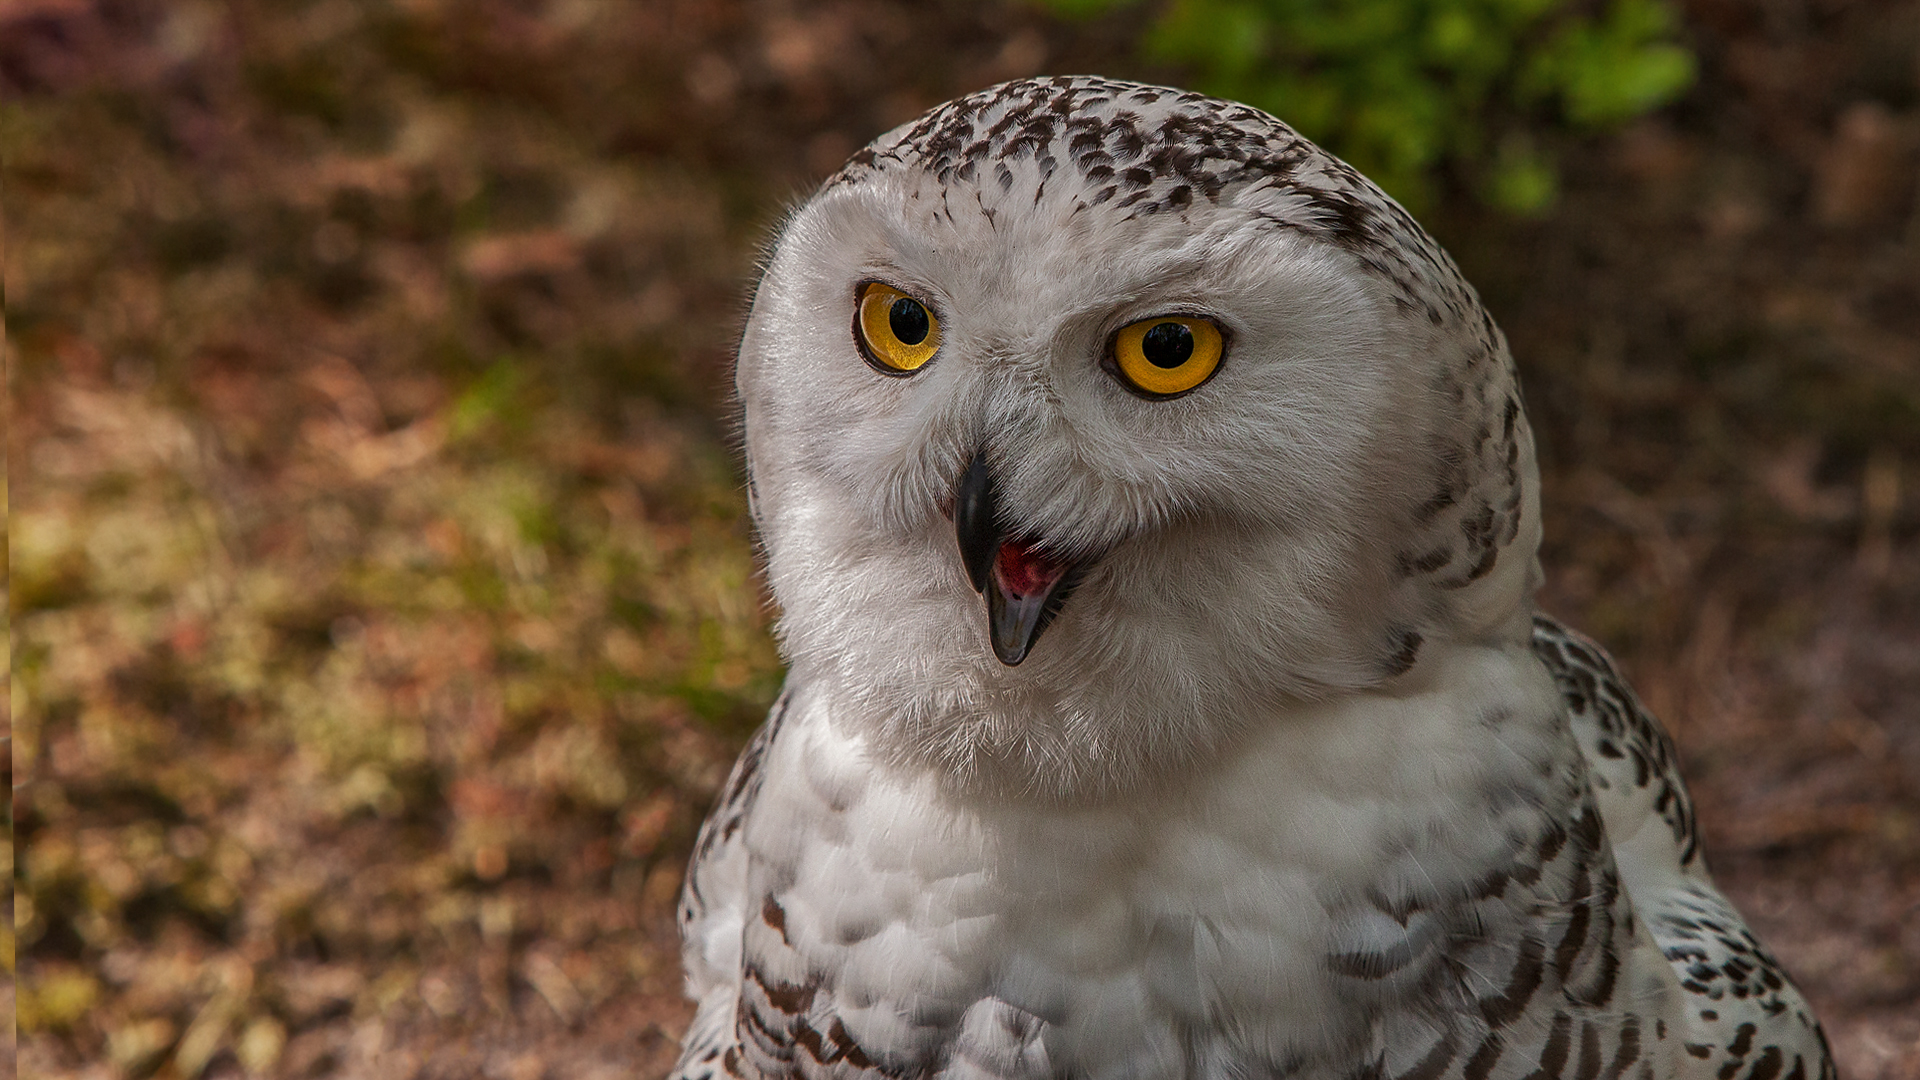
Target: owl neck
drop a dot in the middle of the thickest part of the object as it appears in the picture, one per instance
(1446, 725)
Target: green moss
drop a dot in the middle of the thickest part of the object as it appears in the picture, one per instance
(1405, 89)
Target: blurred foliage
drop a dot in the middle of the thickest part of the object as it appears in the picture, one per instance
(1401, 88)
(485, 643)
(382, 596)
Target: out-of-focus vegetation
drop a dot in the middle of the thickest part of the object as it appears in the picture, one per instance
(319, 718)
(1401, 88)
(382, 597)
(381, 574)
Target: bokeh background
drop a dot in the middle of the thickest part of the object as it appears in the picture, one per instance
(383, 610)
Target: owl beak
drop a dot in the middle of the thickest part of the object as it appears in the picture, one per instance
(1024, 588)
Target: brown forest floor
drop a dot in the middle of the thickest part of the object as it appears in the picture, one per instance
(382, 603)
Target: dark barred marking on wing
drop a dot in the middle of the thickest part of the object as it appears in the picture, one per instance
(1625, 745)
(777, 1021)
(1753, 1023)
(1522, 981)
(708, 1052)
(711, 1047)
(736, 799)
(1553, 1058)
(1721, 964)
(1590, 1052)
(1530, 956)
(1485, 1058)
(1435, 1063)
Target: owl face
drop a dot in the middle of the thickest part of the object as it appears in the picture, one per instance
(1088, 426)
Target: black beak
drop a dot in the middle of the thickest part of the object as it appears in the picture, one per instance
(973, 520)
(1017, 610)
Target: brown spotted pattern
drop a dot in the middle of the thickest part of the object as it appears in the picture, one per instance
(736, 798)
(1513, 973)
(1130, 150)
(1519, 972)
(709, 1049)
(1747, 1020)
(1629, 748)
(1125, 147)
(1523, 968)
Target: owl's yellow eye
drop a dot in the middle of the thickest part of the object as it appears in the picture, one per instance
(897, 333)
(1167, 355)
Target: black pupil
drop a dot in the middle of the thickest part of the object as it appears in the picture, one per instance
(1167, 345)
(908, 320)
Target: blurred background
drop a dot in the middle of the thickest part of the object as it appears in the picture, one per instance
(383, 609)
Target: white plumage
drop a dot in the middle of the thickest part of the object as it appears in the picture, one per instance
(1153, 515)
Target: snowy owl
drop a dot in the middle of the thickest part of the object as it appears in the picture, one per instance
(1153, 516)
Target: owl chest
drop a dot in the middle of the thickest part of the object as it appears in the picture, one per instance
(945, 943)
(887, 924)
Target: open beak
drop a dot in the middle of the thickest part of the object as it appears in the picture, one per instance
(1024, 587)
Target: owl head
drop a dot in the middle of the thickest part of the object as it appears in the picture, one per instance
(1091, 426)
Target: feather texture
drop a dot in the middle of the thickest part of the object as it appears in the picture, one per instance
(1297, 783)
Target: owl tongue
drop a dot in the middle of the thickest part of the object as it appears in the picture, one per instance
(1023, 572)
(1024, 588)
(1024, 593)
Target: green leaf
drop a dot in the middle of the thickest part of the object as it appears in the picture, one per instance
(1523, 181)
(1224, 37)
(1609, 89)
(491, 396)
(1084, 9)
(1399, 87)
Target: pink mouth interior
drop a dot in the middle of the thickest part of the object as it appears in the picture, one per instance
(1025, 572)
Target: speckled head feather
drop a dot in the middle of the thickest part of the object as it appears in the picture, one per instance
(1152, 149)
(1360, 472)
